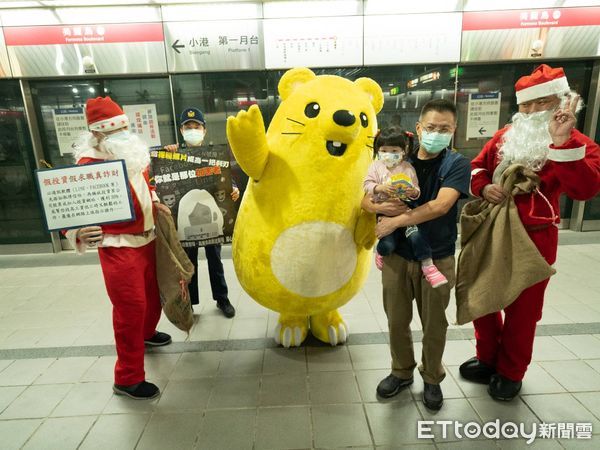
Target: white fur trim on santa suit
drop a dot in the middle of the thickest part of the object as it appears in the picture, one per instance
(92, 153)
(473, 173)
(79, 246)
(127, 240)
(566, 154)
(143, 194)
(552, 87)
(114, 123)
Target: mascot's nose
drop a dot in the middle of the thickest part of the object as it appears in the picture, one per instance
(344, 117)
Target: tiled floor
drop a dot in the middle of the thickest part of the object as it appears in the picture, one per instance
(227, 385)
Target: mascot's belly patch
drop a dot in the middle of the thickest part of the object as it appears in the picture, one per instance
(324, 258)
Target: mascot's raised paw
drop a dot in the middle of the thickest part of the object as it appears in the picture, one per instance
(246, 126)
(329, 327)
(291, 330)
(247, 137)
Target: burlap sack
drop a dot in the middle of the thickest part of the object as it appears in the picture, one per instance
(174, 271)
(498, 260)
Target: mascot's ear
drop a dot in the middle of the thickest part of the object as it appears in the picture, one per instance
(373, 90)
(292, 79)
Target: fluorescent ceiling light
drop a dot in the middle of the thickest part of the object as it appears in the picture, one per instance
(486, 5)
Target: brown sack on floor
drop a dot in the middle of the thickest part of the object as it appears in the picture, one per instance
(174, 271)
(498, 260)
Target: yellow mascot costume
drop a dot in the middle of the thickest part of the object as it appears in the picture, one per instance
(302, 244)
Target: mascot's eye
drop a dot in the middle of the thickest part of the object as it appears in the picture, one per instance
(364, 120)
(312, 110)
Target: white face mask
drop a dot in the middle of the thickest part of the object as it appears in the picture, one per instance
(120, 136)
(193, 136)
(390, 159)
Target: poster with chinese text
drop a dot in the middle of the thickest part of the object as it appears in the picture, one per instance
(483, 115)
(195, 183)
(90, 194)
(143, 121)
(69, 124)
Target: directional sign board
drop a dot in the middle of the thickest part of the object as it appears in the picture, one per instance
(214, 45)
(531, 33)
(483, 115)
(60, 50)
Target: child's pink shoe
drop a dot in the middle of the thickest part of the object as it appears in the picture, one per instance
(378, 261)
(434, 276)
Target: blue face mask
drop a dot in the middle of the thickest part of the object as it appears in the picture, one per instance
(119, 137)
(435, 142)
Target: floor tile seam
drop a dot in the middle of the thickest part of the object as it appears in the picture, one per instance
(33, 432)
(25, 390)
(596, 432)
(369, 427)
(265, 343)
(137, 443)
(139, 438)
(597, 416)
(567, 390)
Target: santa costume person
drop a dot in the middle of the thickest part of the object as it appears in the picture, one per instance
(126, 249)
(542, 137)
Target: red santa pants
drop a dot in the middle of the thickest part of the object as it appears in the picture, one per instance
(508, 345)
(130, 278)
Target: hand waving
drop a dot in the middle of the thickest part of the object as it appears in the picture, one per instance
(563, 121)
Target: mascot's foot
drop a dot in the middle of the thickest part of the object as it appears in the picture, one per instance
(329, 327)
(291, 330)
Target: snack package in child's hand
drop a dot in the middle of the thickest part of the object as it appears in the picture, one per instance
(401, 182)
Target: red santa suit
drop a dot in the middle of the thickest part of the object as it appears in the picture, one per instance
(573, 169)
(127, 256)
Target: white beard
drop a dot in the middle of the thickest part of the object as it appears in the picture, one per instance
(133, 150)
(526, 142)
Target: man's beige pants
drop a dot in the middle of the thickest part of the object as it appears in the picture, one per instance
(403, 282)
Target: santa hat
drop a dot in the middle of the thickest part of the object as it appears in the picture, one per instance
(543, 81)
(104, 115)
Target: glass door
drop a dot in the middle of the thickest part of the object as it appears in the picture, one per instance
(21, 220)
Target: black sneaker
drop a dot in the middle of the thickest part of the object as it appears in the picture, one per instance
(432, 396)
(501, 388)
(158, 339)
(226, 307)
(140, 391)
(391, 385)
(476, 371)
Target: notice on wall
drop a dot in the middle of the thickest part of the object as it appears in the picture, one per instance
(69, 124)
(483, 115)
(313, 42)
(195, 183)
(90, 194)
(143, 121)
